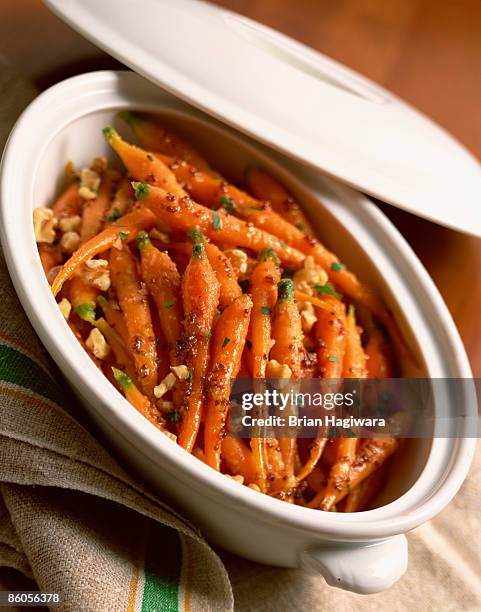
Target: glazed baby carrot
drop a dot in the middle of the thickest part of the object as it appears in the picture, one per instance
(287, 330)
(155, 137)
(162, 278)
(238, 458)
(139, 401)
(68, 204)
(121, 232)
(363, 494)
(263, 288)
(229, 287)
(135, 308)
(182, 214)
(142, 165)
(354, 365)
(330, 330)
(370, 456)
(228, 341)
(114, 318)
(265, 187)
(94, 211)
(200, 296)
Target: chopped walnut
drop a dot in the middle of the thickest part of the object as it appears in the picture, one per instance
(97, 273)
(99, 165)
(309, 275)
(89, 184)
(65, 308)
(238, 259)
(167, 384)
(70, 224)
(254, 487)
(165, 406)
(97, 344)
(308, 316)
(44, 224)
(277, 370)
(69, 242)
(181, 371)
(237, 478)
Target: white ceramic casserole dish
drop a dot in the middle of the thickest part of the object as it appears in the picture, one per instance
(364, 552)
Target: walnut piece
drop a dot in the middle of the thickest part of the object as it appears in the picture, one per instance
(69, 242)
(97, 344)
(65, 308)
(44, 224)
(309, 275)
(70, 224)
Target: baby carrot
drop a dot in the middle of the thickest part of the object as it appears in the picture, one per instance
(265, 187)
(330, 330)
(155, 137)
(122, 202)
(200, 296)
(287, 329)
(139, 401)
(227, 345)
(135, 308)
(69, 203)
(160, 275)
(229, 287)
(124, 230)
(94, 211)
(181, 214)
(363, 494)
(339, 475)
(263, 288)
(114, 318)
(142, 165)
(115, 342)
(371, 455)
(354, 365)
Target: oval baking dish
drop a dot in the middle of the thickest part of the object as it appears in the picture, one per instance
(364, 552)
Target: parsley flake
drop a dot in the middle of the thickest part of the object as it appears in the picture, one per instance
(116, 214)
(150, 157)
(122, 236)
(265, 310)
(328, 289)
(216, 221)
(173, 417)
(227, 203)
(169, 304)
(337, 266)
(226, 341)
(333, 358)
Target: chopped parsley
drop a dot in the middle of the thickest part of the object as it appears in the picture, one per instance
(300, 226)
(122, 236)
(333, 358)
(141, 190)
(283, 244)
(328, 289)
(265, 310)
(217, 314)
(173, 417)
(350, 433)
(226, 341)
(227, 203)
(337, 266)
(216, 221)
(116, 214)
(150, 157)
(169, 304)
(190, 375)
(209, 333)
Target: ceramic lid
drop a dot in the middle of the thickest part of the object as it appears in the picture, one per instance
(291, 98)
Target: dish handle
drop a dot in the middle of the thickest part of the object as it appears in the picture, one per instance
(360, 568)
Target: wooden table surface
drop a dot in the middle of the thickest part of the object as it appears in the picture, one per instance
(426, 51)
